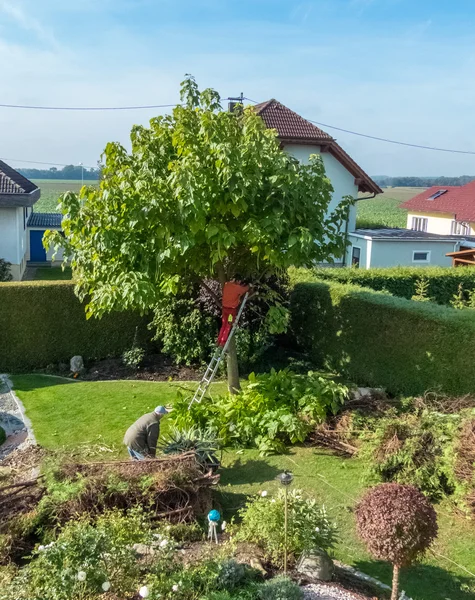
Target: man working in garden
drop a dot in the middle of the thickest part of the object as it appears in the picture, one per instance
(141, 438)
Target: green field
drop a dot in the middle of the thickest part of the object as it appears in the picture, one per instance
(51, 190)
(384, 211)
(68, 413)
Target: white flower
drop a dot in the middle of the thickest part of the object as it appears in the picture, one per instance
(143, 591)
(106, 586)
(273, 500)
(163, 543)
(168, 527)
(264, 494)
(41, 548)
(223, 525)
(317, 529)
(82, 576)
(175, 588)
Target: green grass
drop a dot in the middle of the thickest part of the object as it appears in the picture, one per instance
(53, 274)
(384, 211)
(66, 413)
(51, 190)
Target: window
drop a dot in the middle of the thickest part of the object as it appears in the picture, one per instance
(25, 215)
(419, 223)
(437, 194)
(421, 257)
(355, 256)
(460, 228)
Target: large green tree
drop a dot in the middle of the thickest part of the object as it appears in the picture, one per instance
(203, 194)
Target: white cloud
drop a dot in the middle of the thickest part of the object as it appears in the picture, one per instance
(26, 21)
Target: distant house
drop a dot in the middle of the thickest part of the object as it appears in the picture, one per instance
(448, 210)
(21, 229)
(301, 138)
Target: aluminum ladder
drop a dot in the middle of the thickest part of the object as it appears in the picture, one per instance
(218, 356)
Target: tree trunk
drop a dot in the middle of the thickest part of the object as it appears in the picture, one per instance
(232, 366)
(394, 593)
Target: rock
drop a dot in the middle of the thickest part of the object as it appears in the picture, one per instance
(77, 364)
(362, 392)
(256, 564)
(143, 549)
(316, 564)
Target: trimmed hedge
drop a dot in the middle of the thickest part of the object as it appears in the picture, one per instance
(379, 340)
(43, 322)
(399, 281)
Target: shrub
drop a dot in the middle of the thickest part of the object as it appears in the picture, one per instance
(263, 524)
(203, 443)
(45, 323)
(5, 274)
(82, 559)
(443, 282)
(398, 524)
(3, 436)
(273, 410)
(280, 588)
(379, 340)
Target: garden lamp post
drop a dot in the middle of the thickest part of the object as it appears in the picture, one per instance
(285, 479)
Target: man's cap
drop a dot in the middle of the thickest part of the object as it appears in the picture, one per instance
(161, 410)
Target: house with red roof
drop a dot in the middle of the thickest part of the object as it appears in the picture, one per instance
(448, 210)
(301, 139)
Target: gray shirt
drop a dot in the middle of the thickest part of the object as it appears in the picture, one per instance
(142, 436)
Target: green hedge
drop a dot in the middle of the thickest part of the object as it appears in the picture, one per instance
(379, 340)
(43, 322)
(399, 281)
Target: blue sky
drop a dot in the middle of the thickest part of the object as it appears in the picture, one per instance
(401, 69)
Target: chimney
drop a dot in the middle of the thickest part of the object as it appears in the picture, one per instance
(233, 102)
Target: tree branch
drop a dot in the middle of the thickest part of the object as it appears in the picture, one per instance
(216, 299)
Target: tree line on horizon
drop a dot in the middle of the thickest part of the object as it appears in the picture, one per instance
(386, 181)
(67, 172)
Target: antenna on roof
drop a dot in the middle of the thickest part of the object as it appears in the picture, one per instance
(233, 102)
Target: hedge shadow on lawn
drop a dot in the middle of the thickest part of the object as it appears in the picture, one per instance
(248, 471)
(413, 580)
(31, 383)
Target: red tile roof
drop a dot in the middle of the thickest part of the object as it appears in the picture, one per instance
(457, 200)
(292, 128)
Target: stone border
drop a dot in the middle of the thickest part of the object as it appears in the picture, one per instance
(368, 579)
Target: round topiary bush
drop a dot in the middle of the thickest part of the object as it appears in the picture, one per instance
(398, 524)
(3, 436)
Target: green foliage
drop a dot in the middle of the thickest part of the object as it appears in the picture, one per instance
(443, 282)
(208, 194)
(273, 410)
(3, 435)
(280, 588)
(233, 575)
(263, 524)
(133, 358)
(82, 559)
(421, 291)
(203, 443)
(463, 299)
(45, 323)
(413, 449)
(5, 274)
(379, 340)
(183, 330)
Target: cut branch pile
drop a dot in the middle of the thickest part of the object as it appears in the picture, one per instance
(174, 488)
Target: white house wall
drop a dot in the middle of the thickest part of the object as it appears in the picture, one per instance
(343, 181)
(365, 250)
(388, 253)
(13, 240)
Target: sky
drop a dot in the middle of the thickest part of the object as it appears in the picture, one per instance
(399, 69)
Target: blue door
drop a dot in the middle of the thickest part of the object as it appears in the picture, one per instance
(37, 252)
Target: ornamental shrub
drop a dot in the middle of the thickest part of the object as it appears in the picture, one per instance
(397, 524)
(273, 410)
(5, 274)
(280, 588)
(263, 524)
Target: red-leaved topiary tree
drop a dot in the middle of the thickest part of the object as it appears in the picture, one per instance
(398, 524)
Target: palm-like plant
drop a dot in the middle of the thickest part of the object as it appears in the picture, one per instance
(204, 442)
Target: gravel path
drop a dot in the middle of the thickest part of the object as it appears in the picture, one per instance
(324, 591)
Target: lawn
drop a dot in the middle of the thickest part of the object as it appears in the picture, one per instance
(384, 211)
(71, 413)
(53, 274)
(51, 190)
